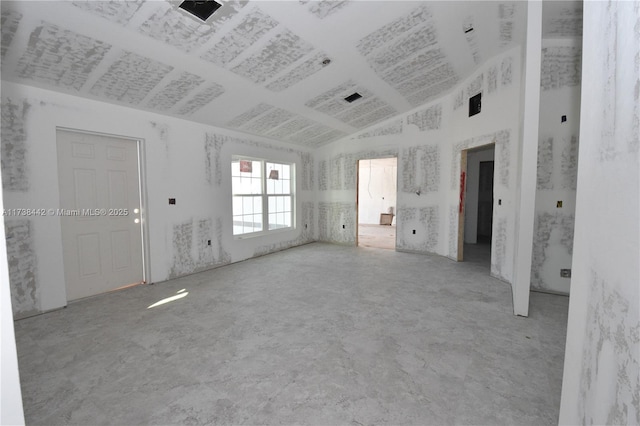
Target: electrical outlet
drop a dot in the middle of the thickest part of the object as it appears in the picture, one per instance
(559, 204)
(343, 227)
(565, 273)
(172, 200)
(414, 232)
(208, 242)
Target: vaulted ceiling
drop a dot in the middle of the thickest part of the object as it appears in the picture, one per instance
(259, 67)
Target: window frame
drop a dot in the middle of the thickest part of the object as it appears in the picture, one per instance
(264, 197)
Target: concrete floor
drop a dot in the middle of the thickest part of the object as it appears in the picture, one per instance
(319, 334)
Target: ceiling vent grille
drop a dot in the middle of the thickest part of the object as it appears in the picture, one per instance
(353, 97)
(201, 9)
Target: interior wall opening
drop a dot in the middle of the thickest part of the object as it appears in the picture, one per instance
(376, 201)
(479, 204)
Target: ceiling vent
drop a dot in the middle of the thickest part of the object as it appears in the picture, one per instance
(353, 97)
(201, 9)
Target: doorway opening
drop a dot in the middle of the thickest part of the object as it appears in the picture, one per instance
(477, 217)
(376, 203)
(101, 212)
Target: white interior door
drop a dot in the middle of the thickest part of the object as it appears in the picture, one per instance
(99, 208)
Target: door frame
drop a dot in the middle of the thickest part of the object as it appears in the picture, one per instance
(142, 190)
(357, 225)
(463, 195)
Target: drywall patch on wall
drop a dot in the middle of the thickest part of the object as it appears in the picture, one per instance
(472, 40)
(569, 164)
(453, 231)
(503, 151)
(393, 128)
(567, 23)
(545, 163)
(130, 78)
(506, 77)
(191, 249)
(23, 266)
(280, 51)
(182, 242)
(9, 22)
(425, 221)
(550, 231)
(610, 356)
(427, 119)
(475, 86)
(13, 134)
(201, 98)
(213, 150)
(306, 164)
(60, 57)
(175, 91)
(253, 26)
(420, 169)
(506, 12)
(561, 67)
(499, 254)
(458, 101)
(119, 12)
(492, 79)
(323, 176)
(331, 219)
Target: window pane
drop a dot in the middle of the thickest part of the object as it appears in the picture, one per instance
(235, 168)
(256, 186)
(237, 206)
(287, 220)
(280, 204)
(272, 221)
(247, 205)
(257, 222)
(256, 167)
(286, 172)
(257, 205)
(286, 203)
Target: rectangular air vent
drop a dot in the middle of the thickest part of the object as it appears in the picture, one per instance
(201, 9)
(475, 103)
(353, 97)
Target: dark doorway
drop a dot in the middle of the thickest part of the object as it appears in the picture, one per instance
(485, 202)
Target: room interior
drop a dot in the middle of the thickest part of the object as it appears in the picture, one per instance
(291, 96)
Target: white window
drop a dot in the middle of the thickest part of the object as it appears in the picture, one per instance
(262, 195)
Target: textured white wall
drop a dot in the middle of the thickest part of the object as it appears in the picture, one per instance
(557, 163)
(184, 160)
(602, 357)
(428, 141)
(11, 412)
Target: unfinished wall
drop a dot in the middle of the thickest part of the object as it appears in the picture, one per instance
(183, 160)
(498, 123)
(601, 380)
(427, 142)
(557, 163)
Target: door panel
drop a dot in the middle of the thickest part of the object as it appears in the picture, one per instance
(98, 180)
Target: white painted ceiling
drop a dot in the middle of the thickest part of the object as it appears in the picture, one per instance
(256, 66)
